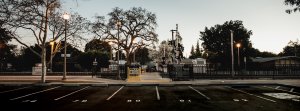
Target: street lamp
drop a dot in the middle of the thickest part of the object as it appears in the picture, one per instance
(66, 16)
(51, 53)
(118, 56)
(238, 45)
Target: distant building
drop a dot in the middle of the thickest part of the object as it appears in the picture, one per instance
(275, 61)
(197, 61)
(186, 61)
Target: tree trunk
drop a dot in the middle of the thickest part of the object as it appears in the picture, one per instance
(44, 63)
(44, 68)
(128, 61)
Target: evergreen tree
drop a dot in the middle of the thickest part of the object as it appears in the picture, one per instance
(198, 52)
(216, 41)
(192, 55)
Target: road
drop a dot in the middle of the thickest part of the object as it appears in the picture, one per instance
(150, 98)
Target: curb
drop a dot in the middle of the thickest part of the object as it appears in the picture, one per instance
(100, 85)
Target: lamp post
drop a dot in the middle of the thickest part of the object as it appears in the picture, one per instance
(1, 60)
(134, 42)
(110, 44)
(51, 53)
(164, 50)
(66, 16)
(118, 56)
(232, 55)
(134, 56)
(238, 45)
(94, 70)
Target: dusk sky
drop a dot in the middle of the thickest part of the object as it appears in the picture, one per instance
(272, 27)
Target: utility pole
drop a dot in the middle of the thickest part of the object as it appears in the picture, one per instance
(232, 55)
(118, 59)
(295, 50)
(173, 42)
(66, 16)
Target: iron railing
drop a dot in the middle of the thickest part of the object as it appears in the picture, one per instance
(215, 71)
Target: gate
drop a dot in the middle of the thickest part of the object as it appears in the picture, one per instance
(180, 71)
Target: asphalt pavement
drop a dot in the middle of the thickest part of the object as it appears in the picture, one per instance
(149, 98)
(152, 92)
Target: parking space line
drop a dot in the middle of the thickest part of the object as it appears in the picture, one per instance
(282, 90)
(157, 93)
(252, 94)
(34, 93)
(199, 92)
(15, 89)
(292, 90)
(114, 93)
(71, 93)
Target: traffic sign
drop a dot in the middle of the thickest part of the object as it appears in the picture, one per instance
(67, 55)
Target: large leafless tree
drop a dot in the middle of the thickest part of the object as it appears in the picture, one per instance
(36, 17)
(137, 28)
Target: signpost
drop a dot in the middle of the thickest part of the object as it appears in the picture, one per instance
(134, 74)
(67, 55)
(94, 72)
(37, 69)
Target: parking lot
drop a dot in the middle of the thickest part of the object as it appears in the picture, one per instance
(150, 97)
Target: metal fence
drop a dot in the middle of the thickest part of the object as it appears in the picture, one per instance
(111, 74)
(215, 71)
(190, 72)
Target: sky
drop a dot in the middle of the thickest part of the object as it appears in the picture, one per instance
(272, 27)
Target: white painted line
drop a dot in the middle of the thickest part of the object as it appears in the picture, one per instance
(25, 101)
(252, 94)
(114, 93)
(292, 90)
(75, 101)
(71, 93)
(199, 92)
(34, 93)
(297, 100)
(14, 89)
(157, 93)
(84, 101)
(33, 101)
(236, 100)
(277, 87)
(245, 100)
(283, 90)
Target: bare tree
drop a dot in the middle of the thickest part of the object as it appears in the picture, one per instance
(36, 17)
(137, 29)
(75, 29)
(295, 4)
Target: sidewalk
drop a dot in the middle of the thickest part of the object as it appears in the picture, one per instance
(57, 79)
(145, 79)
(153, 77)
